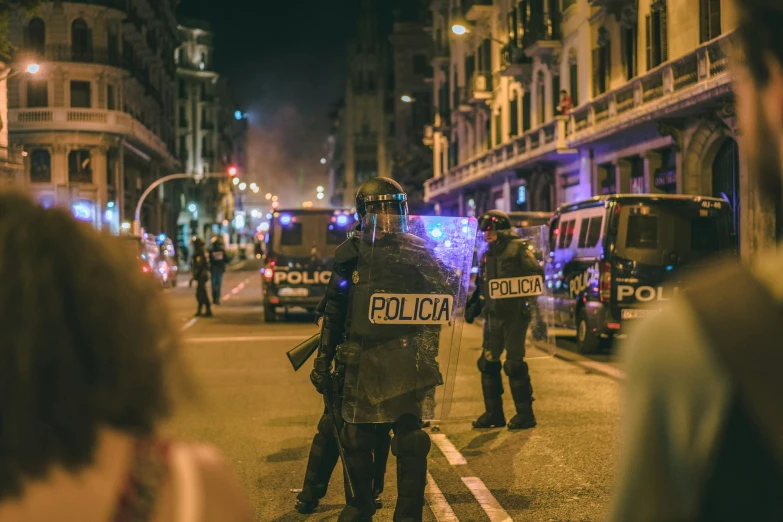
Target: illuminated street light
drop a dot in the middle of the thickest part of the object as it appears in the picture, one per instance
(255, 190)
(407, 99)
(238, 115)
(255, 213)
(33, 68)
(242, 186)
(323, 161)
(275, 204)
(235, 181)
(192, 207)
(459, 29)
(320, 195)
(319, 189)
(268, 196)
(274, 198)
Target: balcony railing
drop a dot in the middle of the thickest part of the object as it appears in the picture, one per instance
(546, 29)
(87, 120)
(657, 90)
(67, 53)
(531, 146)
(514, 61)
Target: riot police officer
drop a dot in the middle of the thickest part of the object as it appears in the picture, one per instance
(200, 273)
(324, 453)
(386, 353)
(506, 323)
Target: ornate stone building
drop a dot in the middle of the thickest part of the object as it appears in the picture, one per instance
(653, 109)
(96, 124)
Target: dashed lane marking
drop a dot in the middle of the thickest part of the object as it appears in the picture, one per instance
(488, 502)
(448, 449)
(246, 339)
(188, 324)
(438, 504)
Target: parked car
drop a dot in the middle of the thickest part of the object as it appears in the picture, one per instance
(139, 248)
(168, 264)
(617, 258)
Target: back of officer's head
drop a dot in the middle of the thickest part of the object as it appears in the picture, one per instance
(86, 343)
(759, 88)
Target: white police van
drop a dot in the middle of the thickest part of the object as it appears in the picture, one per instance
(299, 255)
(618, 258)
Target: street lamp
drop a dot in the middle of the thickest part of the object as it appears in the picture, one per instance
(319, 189)
(242, 186)
(32, 68)
(320, 195)
(192, 207)
(459, 28)
(268, 196)
(235, 181)
(323, 161)
(407, 99)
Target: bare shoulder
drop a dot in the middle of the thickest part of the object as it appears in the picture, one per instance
(224, 498)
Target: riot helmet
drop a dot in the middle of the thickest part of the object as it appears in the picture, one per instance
(492, 222)
(381, 196)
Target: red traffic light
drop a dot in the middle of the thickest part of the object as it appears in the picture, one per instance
(232, 171)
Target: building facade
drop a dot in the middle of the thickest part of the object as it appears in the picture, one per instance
(204, 115)
(96, 124)
(652, 106)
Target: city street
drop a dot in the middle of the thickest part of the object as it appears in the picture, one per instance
(262, 416)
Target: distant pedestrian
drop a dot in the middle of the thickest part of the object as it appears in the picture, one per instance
(566, 103)
(217, 263)
(200, 274)
(704, 423)
(91, 364)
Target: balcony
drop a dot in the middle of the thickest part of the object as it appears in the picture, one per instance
(515, 63)
(460, 100)
(480, 87)
(86, 120)
(66, 53)
(476, 10)
(671, 88)
(543, 143)
(542, 39)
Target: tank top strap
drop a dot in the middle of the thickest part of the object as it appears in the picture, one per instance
(149, 471)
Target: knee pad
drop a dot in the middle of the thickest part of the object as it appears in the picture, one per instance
(489, 367)
(415, 443)
(358, 437)
(516, 369)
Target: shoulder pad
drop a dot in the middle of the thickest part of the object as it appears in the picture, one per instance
(345, 257)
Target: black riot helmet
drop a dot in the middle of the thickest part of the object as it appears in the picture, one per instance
(381, 196)
(494, 220)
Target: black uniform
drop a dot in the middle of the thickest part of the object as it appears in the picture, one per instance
(324, 453)
(505, 328)
(345, 312)
(201, 276)
(217, 262)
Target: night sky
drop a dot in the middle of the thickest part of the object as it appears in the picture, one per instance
(285, 61)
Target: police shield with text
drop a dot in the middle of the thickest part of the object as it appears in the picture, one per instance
(392, 325)
(509, 282)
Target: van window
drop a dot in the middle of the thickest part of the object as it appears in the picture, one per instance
(596, 225)
(335, 235)
(569, 235)
(583, 226)
(561, 234)
(291, 235)
(642, 232)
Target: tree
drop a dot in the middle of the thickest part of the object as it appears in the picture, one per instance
(7, 9)
(411, 169)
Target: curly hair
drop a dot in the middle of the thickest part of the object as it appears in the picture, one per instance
(86, 343)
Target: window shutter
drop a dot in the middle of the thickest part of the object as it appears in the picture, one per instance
(664, 37)
(607, 49)
(704, 20)
(526, 111)
(648, 40)
(715, 28)
(573, 74)
(555, 93)
(596, 71)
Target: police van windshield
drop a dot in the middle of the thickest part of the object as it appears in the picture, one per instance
(309, 234)
(664, 233)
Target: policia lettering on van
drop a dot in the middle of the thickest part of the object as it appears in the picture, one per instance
(619, 257)
(300, 249)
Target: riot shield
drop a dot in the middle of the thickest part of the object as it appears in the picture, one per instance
(517, 303)
(407, 306)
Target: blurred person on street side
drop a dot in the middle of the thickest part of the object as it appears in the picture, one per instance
(90, 367)
(200, 274)
(704, 424)
(217, 264)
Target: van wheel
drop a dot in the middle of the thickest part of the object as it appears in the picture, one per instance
(587, 341)
(270, 315)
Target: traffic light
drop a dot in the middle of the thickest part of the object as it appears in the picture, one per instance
(232, 170)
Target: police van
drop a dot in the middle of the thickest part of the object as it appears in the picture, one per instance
(618, 258)
(299, 248)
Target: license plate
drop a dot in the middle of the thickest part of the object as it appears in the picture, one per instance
(637, 313)
(293, 292)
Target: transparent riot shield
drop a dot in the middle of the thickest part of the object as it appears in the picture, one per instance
(407, 306)
(516, 300)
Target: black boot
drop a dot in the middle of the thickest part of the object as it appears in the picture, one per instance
(306, 508)
(492, 388)
(410, 445)
(522, 392)
(209, 312)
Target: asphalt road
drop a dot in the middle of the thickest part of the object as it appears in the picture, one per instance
(262, 416)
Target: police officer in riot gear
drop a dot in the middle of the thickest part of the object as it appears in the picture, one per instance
(324, 453)
(506, 323)
(386, 201)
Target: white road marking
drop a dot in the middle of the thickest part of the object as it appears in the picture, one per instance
(246, 339)
(448, 449)
(438, 504)
(235, 291)
(188, 324)
(488, 502)
(226, 297)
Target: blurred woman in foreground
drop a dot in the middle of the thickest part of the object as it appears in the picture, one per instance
(87, 363)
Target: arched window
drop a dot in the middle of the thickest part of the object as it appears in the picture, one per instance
(40, 166)
(709, 20)
(81, 41)
(36, 36)
(79, 166)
